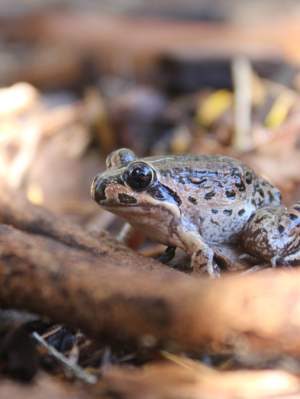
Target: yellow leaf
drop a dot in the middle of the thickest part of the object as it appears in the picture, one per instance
(279, 110)
(213, 107)
(35, 194)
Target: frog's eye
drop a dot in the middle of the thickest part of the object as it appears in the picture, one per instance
(139, 176)
(120, 158)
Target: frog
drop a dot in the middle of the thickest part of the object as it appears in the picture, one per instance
(195, 201)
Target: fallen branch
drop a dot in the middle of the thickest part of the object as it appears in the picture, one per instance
(17, 211)
(254, 313)
(16, 99)
(43, 387)
(193, 380)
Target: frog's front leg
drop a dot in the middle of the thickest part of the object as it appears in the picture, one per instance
(201, 254)
(273, 234)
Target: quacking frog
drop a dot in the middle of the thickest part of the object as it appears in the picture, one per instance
(193, 201)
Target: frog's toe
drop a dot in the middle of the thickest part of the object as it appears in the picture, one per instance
(212, 269)
(203, 260)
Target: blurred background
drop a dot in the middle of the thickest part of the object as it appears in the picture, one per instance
(82, 78)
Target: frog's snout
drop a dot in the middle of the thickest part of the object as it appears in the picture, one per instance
(98, 189)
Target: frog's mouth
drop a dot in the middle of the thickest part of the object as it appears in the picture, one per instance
(118, 209)
(120, 200)
(110, 192)
(114, 196)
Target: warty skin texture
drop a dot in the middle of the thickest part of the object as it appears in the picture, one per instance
(192, 201)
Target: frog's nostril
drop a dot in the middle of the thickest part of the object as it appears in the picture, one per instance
(98, 189)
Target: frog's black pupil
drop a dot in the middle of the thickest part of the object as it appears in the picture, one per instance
(139, 177)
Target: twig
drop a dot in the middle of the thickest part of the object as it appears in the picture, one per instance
(241, 74)
(75, 368)
(16, 99)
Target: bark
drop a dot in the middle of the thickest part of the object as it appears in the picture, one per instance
(192, 380)
(44, 387)
(51, 267)
(254, 313)
(15, 210)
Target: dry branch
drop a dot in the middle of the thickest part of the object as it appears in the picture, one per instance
(16, 99)
(15, 210)
(52, 267)
(43, 387)
(112, 44)
(194, 381)
(259, 312)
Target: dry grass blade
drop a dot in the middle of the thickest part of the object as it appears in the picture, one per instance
(75, 369)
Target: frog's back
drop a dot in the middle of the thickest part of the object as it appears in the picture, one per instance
(212, 179)
(218, 194)
(195, 162)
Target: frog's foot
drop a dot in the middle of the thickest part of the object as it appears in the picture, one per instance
(202, 255)
(203, 260)
(273, 234)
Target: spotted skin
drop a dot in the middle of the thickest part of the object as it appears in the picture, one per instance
(194, 201)
(273, 234)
